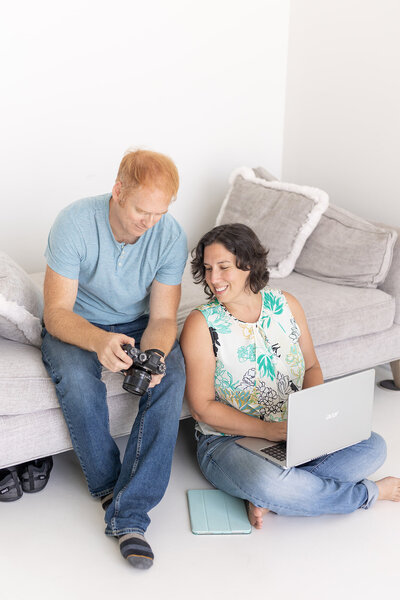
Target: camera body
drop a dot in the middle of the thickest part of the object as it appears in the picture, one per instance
(145, 364)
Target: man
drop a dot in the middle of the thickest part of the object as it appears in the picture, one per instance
(115, 264)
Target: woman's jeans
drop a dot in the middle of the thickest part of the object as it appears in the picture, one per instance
(335, 483)
(140, 482)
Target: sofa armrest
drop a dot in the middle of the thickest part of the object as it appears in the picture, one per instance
(391, 285)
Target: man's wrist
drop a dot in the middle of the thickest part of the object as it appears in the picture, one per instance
(160, 352)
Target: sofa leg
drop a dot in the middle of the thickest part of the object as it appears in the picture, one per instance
(392, 384)
(395, 366)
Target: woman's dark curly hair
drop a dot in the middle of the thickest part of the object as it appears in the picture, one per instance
(241, 241)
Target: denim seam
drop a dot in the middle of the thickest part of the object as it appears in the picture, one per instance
(134, 466)
(66, 416)
(315, 467)
(70, 428)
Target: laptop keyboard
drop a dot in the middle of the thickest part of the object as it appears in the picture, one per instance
(278, 451)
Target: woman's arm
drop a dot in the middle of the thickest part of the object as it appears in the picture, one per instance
(200, 370)
(313, 374)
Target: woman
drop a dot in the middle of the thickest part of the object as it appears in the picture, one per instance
(245, 351)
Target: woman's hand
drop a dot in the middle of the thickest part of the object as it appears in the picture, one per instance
(275, 431)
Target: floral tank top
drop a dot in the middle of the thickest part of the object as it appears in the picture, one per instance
(257, 364)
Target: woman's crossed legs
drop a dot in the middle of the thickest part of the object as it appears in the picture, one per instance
(336, 483)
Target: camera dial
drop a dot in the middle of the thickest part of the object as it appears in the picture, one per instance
(144, 365)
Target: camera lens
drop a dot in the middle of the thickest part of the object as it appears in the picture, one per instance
(137, 382)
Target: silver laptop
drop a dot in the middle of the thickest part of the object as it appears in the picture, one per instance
(321, 420)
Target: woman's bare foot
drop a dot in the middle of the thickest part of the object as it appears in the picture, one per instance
(389, 489)
(255, 514)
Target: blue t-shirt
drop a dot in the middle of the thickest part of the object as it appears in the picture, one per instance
(114, 278)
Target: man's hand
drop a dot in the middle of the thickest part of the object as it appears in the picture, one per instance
(156, 379)
(108, 347)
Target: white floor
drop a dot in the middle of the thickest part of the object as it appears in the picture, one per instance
(53, 546)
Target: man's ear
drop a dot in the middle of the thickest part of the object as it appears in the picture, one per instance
(117, 191)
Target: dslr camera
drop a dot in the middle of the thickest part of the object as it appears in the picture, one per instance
(145, 364)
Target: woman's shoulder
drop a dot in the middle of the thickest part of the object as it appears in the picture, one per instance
(273, 296)
(195, 333)
(198, 316)
(208, 307)
(280, 302)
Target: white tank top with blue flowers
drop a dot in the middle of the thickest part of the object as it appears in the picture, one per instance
(257, 364)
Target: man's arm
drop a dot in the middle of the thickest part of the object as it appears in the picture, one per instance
(161, 330)
(61, 322)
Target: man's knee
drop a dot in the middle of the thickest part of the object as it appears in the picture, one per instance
(74, 371)
(167, 397)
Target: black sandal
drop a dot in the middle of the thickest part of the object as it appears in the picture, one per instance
(34, 475)
(10, 485)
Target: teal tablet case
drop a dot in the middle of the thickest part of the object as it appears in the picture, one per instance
(215, 512)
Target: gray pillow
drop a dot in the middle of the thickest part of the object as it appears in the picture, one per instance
(21, 304)
(347, 250)
(282, 215)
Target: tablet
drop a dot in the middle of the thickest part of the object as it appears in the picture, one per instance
(218, 513)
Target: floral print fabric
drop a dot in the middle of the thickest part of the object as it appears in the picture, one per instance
(257, 364)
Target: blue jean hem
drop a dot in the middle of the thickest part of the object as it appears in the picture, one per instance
(372, 493)
(124, 531)
(103, 493)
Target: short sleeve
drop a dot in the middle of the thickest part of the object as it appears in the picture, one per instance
(65, 246)
(174, 260)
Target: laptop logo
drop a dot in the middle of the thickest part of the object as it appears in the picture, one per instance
(332, 415)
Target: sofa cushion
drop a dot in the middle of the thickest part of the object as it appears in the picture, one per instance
(25, 386)
(347, 250)
(21, 304)
(283, 215)
(359, 353)
(336, 312)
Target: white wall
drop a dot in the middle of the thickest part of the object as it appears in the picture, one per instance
(85, 80)
(342, 125)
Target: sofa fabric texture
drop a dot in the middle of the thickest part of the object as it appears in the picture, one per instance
(283, 215)
(336, 313)
(391, 285)
(347, 250)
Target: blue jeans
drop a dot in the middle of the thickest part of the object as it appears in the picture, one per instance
(335, 483)
(139, 483)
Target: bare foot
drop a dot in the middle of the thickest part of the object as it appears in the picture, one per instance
(255, 514)
(389, 489)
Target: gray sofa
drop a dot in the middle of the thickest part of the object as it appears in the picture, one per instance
(353, 328)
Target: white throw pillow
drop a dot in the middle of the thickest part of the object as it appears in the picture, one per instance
(283, 215)
(21, 304)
